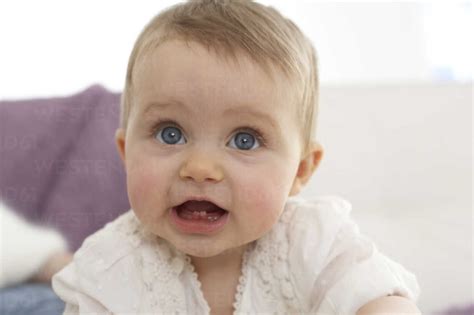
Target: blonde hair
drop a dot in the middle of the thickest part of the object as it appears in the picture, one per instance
(244, 26)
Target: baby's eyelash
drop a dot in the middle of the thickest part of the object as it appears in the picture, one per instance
(256, 131)
(157, 125)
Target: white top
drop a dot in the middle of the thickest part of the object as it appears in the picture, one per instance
(314, 260)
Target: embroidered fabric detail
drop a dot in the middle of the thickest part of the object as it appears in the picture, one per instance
(189, 267)
(240, 287)
(128, 225)
(242, 278)
(270, 260)
(159, 263)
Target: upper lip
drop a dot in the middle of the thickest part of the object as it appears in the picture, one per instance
(200, 198)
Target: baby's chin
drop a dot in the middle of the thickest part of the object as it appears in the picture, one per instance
(203, 247)
(200, 247)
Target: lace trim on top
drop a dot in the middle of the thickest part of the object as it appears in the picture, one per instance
(272, 268)
(242, 278)
(159, 266)
(190, 268)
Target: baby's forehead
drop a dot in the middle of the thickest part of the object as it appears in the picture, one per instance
(173, 70)
(221, 57)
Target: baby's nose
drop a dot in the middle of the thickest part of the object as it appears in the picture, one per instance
(201, 167)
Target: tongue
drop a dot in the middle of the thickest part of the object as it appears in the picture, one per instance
(200, 206)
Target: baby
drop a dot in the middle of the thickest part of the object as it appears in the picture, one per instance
(217, 138)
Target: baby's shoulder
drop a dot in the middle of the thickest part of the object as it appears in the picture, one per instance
(123, 265)
(299, 246)
(309, 229)
(322, 213)
(115, 240)
(318, 226)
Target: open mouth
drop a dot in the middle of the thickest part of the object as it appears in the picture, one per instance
(199, 210)
(199, 217)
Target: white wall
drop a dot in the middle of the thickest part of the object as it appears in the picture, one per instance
(54, 47)
(364, 41)
(402, 155)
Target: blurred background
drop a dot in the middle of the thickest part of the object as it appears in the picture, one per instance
(56, 47)
(395, 110)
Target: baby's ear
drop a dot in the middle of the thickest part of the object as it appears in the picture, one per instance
(120, 143)
(307, 167)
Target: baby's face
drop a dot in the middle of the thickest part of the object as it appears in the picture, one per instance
(202, 126)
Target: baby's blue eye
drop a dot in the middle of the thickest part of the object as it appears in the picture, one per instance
(244, 140)
(170, 135)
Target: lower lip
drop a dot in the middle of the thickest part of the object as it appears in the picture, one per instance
(198, 226)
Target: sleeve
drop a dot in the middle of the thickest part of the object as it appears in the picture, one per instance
(102, 278)
(362, 281)
(67, 286)
(341, 269)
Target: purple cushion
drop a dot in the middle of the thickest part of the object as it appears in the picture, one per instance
(458, 310)
(59, 166)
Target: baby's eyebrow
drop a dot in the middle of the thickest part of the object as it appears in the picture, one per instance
(240, 110)
(154, 106)
(246, 110)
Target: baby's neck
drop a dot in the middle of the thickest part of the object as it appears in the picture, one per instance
(219, 277)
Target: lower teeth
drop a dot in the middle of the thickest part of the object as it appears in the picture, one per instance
(200, 215)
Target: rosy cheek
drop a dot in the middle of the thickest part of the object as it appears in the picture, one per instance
(143, 198)
(256, 196)
(140, 187)
(262, 203)
(137, 189)
(262, 193)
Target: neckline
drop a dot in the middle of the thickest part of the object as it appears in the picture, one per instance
(240, 286)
